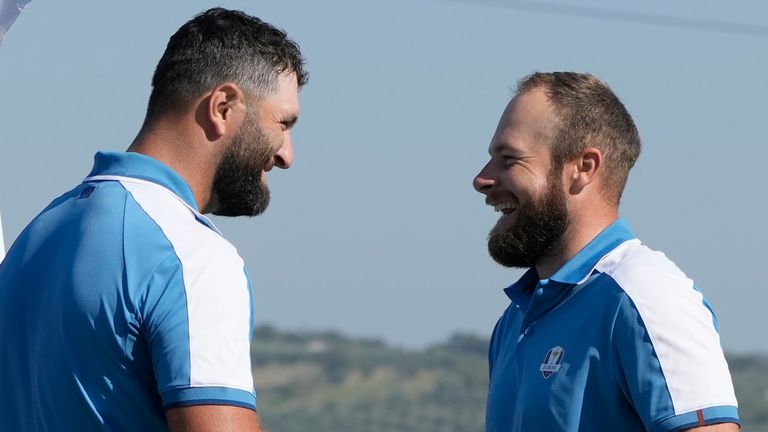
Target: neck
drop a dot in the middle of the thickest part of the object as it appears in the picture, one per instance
(580, 232)
(179, 149)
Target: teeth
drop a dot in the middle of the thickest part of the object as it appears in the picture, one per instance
(504, 206)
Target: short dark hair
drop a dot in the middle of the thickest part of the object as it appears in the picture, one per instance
(588, 113)
(221, 45)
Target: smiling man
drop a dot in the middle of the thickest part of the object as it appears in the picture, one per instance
(602, 333)
(122, 307)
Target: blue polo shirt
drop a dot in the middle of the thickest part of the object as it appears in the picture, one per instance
(118, 301)
(617, 339)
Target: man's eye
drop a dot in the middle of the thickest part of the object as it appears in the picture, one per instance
(509, 160)
(288, 123)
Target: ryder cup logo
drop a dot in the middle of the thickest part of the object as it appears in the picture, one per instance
(552, 361)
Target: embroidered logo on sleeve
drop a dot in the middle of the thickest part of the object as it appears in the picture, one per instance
(552, 362)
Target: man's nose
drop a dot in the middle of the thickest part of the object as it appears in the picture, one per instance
(284, 156)
(482, 182)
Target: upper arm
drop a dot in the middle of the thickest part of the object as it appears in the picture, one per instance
(667, 357)
(722, 427)
(198, 330)
(672, 385)
(212, 418)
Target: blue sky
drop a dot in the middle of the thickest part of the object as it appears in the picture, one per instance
(376, 230)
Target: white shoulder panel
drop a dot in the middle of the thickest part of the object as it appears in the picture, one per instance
(680, 326)
(218, 298)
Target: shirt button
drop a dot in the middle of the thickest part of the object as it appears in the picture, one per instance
(528, 332)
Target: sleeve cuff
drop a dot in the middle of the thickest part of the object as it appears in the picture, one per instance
(702, 417)
(208, 396)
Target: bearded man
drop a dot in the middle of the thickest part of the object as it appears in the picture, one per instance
(602, 333)
(121, 306)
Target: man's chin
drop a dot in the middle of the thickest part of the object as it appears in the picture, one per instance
(513, 249)
(249, 204)
(502, 231)
(258, 211)
(239, 210)
(262, 202)
(509, 259)
(501, 250)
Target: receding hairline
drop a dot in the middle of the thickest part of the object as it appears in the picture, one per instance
(546, 124)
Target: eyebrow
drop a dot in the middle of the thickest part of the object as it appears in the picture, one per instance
(501, 148)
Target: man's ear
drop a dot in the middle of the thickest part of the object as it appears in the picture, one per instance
(224, 108)
(583, 169)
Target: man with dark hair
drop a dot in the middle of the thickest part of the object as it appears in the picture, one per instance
(602, 333)
(121, 306)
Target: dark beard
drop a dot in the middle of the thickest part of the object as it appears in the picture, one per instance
(538, 229)
(237, 186)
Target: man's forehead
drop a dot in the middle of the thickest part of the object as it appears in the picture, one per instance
(289, 78)
(528, 118)
(531, 107)
(286, 95)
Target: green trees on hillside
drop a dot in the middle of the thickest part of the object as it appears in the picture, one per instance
(325, 382)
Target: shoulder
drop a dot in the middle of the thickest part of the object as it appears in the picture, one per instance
(192, 240)
(659, 297)
(172, 253)
(653, 281)
(634, 265)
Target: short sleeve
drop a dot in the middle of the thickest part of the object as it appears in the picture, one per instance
(669, 364)
(197, 320)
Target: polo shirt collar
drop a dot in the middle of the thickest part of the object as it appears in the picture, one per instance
(578, 268)
(139, 166)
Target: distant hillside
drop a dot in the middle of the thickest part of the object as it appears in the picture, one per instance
(325, 382)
